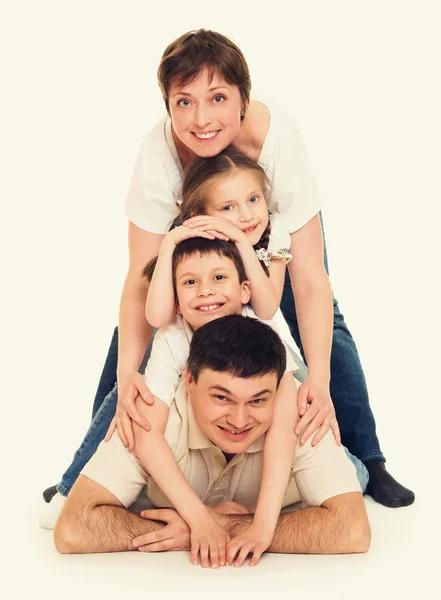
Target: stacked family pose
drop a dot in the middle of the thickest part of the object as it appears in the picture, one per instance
(227, 195)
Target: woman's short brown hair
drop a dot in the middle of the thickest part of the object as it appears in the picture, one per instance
(187, 56)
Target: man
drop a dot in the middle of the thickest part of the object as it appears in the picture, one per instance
(216, 425)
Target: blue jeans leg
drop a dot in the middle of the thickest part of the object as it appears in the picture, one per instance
(348, 385)
(98, 428)
(108, 376)
(362, 472)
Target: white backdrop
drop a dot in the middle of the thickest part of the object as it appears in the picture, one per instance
(360, 79)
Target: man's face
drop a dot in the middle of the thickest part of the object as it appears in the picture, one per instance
(232, 412)
(208, 288)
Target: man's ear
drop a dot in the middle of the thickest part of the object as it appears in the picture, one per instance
(189, 381)
(246, 292)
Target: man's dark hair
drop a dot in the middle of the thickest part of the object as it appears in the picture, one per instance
(201, 246)
(241, 346)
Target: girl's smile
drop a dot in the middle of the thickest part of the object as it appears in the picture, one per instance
(238, 198)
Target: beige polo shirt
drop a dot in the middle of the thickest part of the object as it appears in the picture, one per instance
(317, 473)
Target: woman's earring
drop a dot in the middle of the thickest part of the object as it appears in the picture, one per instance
(242, 112)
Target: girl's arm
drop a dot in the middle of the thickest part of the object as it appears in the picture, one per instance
(266, 292)
(278, 455)
(160, 307)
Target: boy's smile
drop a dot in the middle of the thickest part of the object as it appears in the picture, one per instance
(208, 287)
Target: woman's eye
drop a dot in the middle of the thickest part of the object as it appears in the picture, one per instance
(190, 282)
(254, 199)
(183, 102)
(219, 99)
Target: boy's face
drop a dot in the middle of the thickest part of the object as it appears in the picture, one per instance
(233, 412)
(208, 288)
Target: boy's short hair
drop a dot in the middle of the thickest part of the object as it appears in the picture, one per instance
(189, 54)
(241, 346)
(201, 246)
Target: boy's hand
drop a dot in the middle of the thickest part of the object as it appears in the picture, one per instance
(319, 416)
(179, 234)
(209, 539)
(132, 386)
(254, 539)
(205, 223)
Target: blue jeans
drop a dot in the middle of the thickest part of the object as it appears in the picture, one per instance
(348, 391)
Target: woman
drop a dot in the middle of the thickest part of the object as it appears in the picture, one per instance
(206, 85)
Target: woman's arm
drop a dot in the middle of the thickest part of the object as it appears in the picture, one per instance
(134, 331)
(313, 297)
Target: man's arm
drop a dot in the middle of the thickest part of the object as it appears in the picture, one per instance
(339, 526)
(94, 520)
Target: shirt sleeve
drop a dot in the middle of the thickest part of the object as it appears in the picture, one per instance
(323, 471)
(117, 469)
(150, 202)
(295, 193)
(167, 361)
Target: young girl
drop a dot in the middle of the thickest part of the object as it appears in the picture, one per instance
(224, 197)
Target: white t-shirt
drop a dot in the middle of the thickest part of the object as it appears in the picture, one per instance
(155, 191)
(171, 349)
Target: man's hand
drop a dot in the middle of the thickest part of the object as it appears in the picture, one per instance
(174, 536)
(131, 387)
(319, 416)
(254, 539)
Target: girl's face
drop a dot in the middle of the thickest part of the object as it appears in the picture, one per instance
(205, 114)
(238, 197)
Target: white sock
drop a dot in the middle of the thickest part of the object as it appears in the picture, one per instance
(51, 511)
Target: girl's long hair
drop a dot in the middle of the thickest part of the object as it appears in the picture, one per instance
(205, 170)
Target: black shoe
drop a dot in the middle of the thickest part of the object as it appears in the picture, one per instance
(49, 493)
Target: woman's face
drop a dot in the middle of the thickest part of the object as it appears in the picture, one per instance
(205, 114)
(239, 198)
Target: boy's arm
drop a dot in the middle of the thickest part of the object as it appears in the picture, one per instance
(156, 456)
(278, 455)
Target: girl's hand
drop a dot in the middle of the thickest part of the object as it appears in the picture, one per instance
(320, 415)
(205, 223)
(254, 539)
(181, 233)
(133, 386)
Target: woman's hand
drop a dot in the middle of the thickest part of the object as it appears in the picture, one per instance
(132, 386)
(181, 233)
(205, 223)
(319, 415)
